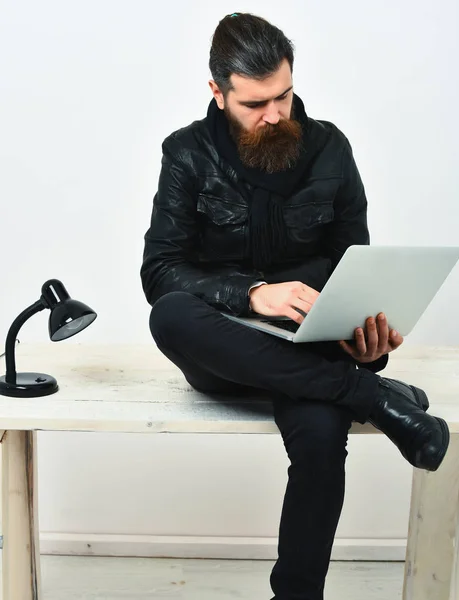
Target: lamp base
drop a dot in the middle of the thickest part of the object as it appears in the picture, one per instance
(29, 385)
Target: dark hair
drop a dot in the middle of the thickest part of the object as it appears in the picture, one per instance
(247, 45)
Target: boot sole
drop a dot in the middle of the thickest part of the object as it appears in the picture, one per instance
(437, 459)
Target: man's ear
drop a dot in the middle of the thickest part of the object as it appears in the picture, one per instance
(217, 94)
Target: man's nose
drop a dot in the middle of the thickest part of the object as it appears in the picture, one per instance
(271, 114)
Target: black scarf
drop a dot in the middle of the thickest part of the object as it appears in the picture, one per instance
(268, 236)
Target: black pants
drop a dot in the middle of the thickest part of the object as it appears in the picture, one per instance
(317, 392)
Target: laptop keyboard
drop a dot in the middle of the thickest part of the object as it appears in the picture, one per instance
(289, 325)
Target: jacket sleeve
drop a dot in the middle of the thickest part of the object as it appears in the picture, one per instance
(171, 243)
(349, 226)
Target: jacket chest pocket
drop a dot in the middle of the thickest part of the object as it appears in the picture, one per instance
(222, 226)
(306, 222)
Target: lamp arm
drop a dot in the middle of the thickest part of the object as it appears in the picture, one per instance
(12, 334)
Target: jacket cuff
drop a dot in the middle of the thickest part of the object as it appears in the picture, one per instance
(257, 285)
(375, 366)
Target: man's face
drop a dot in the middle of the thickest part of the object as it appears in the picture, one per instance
(261, 119)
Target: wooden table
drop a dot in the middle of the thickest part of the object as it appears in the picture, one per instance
(135, 389)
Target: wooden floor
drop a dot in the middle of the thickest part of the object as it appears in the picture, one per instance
(96, 578)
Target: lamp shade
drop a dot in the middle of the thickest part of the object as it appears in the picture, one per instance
(67, 316)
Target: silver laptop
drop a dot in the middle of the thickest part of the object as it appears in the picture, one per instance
(400, 281)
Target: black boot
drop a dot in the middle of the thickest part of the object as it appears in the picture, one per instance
(399, 412)
(416, 395)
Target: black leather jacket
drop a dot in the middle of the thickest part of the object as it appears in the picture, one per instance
(196, 239)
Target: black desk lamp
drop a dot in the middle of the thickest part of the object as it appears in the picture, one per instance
(67, 318)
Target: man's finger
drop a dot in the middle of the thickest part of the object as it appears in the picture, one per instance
(346, 347)
(310, 299)
(395, 339)
(383, 330)
(372, 336)
(310, 290)
(293, 314)
(360, 341)
(302, 303)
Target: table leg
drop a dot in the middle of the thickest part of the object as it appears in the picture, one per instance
(21, 552)
(2, 435)
(432, 549)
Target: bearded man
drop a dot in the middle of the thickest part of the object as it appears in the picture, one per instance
(256, 205)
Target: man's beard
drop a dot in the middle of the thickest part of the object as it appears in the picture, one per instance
(270, 148)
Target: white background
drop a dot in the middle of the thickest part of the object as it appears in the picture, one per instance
(88, 92)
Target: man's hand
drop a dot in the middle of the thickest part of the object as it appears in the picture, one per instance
(281, 299)
(374, 342)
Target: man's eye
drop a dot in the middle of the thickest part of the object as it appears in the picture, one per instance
(259, 105)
